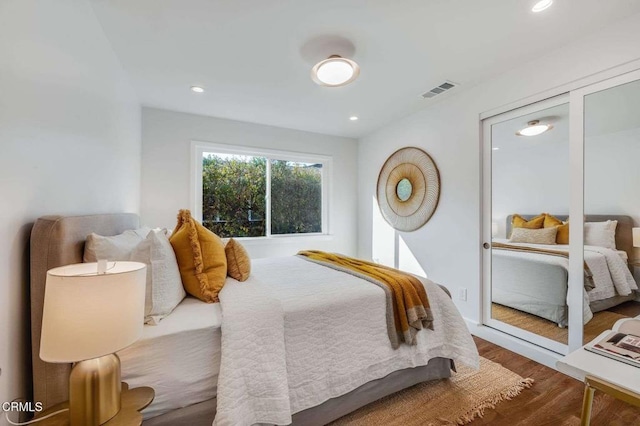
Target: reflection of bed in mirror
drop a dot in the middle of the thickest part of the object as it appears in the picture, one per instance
(537, 282)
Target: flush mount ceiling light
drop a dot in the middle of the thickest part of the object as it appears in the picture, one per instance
(197, 89)
(534, 128)
(541, 5)
(335, 71)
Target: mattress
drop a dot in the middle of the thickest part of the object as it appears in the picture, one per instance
(179, 358)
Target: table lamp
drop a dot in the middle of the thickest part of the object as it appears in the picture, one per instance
(636, 237)
(90, 312)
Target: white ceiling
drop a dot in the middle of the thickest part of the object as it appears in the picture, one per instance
(606, 112)
(254, 56)
(503, 134)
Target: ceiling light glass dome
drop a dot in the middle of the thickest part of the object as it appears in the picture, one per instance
(541, 5)
(534, 128)
(335, 71)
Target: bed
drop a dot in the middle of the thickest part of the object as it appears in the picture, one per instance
(536, 283)
(191, 349)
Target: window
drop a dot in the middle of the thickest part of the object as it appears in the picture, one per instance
(245, 192)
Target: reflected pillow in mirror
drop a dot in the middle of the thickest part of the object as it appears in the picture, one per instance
(601, 234)
(562, 237)
(518, 221)
(534, 236)
(550, 221)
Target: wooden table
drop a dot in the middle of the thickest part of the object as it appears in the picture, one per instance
(615, 378)
(133, 401)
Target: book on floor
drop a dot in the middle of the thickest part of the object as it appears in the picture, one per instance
(621, 343)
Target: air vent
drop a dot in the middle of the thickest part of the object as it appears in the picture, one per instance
(447, 85)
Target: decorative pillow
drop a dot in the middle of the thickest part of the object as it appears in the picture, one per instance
(602, 234)
(518, 221)
(164, 287)
(117, 247)
(562, 237)
(201, 258)
(550, 221)
(238, 261)
(534, 236)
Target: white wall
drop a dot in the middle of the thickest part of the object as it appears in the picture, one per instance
(612, 175)
(166, 172)
(70, 138)
(532, 181)
(448, 247)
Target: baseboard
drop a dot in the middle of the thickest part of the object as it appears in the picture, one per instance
(519, 346)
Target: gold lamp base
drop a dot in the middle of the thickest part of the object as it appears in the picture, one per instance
(94, 391)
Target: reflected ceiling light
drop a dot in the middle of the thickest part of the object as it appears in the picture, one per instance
(353, 118)
(534, 128)
(541, 5)
(335, 71)
(197, 89)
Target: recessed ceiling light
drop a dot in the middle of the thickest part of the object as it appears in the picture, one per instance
(197, 89)
(353, 118)
(541, 5)
(495, 148)
(534, 128)
(335, 71)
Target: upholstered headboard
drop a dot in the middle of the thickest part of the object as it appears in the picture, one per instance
(58, 241)
(624, 234)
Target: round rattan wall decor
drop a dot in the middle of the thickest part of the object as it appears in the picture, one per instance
(408, 189)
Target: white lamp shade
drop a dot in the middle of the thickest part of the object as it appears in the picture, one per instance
(636, 237)
(87, 315)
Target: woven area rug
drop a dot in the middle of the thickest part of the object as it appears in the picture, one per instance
(455, 401)
(601, 321)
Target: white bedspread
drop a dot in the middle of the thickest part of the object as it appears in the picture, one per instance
(297, 334)
(611, 274)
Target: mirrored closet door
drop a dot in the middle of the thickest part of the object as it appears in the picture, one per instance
(526, 259)
(560, 177)
(611, 200)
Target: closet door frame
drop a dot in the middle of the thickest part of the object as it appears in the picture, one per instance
(576, 207)
(576, 90)
(487, 167)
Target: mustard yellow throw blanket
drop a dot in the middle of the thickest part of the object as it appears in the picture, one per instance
(408, 309)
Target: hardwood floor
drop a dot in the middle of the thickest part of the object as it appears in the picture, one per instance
(554, 399)
(628, 309)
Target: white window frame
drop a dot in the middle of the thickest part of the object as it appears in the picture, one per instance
(198, 148)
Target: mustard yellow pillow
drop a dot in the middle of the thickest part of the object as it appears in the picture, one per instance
(550, 221)
(201, 258)
(562, 236)
(238, 261)
(518, 221)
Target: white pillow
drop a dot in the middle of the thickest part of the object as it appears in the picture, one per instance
(602, 234)
(164, 289)
(117, 247)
